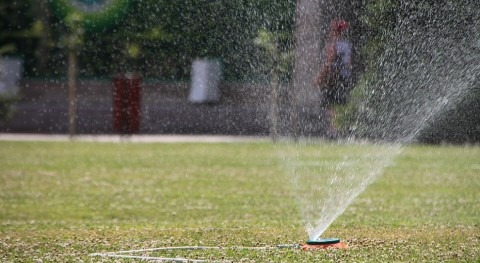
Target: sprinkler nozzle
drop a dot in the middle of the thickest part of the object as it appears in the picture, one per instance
(323, 243)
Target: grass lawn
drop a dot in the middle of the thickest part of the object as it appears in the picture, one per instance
(62, 201)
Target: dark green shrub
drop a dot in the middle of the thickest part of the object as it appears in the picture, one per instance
(6, 109)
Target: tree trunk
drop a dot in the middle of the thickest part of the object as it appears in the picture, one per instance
(72, 91)
(312, 24)
(308, 38)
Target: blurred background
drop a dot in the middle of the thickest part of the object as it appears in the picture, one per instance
(190, 67)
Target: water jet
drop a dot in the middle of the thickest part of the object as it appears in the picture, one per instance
(424, 68)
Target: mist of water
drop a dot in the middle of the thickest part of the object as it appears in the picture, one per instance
(425, 69)
(328, 177)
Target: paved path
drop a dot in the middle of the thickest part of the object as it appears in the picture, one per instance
(133, 138)
(244, 110)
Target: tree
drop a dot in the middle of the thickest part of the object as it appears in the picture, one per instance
(164, 37)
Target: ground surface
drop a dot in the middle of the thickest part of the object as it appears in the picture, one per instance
(62, 201)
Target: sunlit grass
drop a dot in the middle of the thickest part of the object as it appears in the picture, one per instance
(61, 201)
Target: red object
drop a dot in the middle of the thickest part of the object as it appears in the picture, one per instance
(339, 25)
(308, 247)
(126, 103)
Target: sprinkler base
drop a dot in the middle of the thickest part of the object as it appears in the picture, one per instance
(323, 243)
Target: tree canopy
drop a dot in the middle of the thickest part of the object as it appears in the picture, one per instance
(156, 37)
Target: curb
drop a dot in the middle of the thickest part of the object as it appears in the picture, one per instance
(132, 138)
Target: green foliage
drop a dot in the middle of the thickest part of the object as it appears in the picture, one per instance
(6, 110)
(379, 21)
(18, 27)
(414, 48)
(74, 38)
(21, 31)
(157, 38)
(277, 55)
(92, 20)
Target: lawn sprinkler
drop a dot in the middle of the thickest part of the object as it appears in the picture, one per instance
(323, 243)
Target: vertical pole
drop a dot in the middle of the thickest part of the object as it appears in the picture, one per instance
(308, 15)
(312, 21)
(72, 91)
(274, 107)
(74, 40)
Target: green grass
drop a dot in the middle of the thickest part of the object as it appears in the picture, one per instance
(61, 201)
